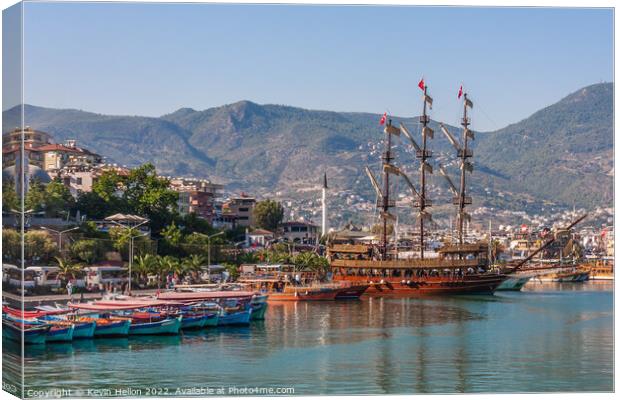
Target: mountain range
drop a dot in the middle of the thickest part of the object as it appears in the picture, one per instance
(562, 154)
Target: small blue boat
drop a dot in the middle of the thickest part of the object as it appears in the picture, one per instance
(168, 326)
(193, 321)
(84, 330)
(60, 333)
(115, 327)
(235, 318)
(81, 329)
(32, 334)
(211, 319)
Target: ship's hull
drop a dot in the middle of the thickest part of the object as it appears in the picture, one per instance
(193, 322)
(352, 292)
(303, 295)
(236, 318)
(211, 320)
(31, 335)
(113, 328)
(84, 330)
(169, 326)
(514, 283)
(259, 306)
(474, 284)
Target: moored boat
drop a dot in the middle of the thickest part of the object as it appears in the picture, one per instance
(259, 306)
(235, 318)
(193, 321)
(107, 327)
(60, 332)
(31, 334)
(514, 283)
(166, 326)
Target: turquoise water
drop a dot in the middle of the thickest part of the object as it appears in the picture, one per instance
(552, 337)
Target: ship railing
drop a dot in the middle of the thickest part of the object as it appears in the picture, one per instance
(407, 264)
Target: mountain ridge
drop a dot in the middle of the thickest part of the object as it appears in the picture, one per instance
(273, 148)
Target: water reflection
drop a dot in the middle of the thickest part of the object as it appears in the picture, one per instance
(510, 342)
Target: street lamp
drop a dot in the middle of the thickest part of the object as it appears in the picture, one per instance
(59, 233)
(131, 238)
(209, 250)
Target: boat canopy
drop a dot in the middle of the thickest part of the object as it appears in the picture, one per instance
(111, 305)
(184, 296)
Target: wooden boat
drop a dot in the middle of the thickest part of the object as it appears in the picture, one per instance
(31, 334)
(349, 291)
(238, 317)
(514, 283)
(459, 268)
(259, 306)
(81, 328)
(193, 321)
(60, 332)
(165, 326)
(211, 320)
(107, 327)
(601, 269)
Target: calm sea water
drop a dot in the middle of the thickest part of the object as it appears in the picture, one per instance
(552, 337)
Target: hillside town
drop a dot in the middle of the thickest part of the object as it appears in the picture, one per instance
(78, 169)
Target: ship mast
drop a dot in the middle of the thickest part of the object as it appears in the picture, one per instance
(423, 154)
(464, 154)
(385, 203)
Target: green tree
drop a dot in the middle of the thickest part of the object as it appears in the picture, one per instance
(172, 234)
(68, 269)
(35, 197)
(233, 270)
(309, 261)
(11, 245)
(94, 206)
(144, 265)
(39, 246)
(10, 199)
(268, 214)
(194, 262)
(108, 185)
(121, 238)
(58, 200)
(87, 250)
(148, 194)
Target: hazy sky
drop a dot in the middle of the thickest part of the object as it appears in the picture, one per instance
(151, 59)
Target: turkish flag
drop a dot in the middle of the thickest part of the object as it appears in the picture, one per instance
(383, 118)
(421, 84)
(460, 92)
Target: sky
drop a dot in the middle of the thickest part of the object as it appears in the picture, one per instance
(152, 59)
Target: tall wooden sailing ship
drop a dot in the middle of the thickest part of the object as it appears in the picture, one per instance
(460, 267)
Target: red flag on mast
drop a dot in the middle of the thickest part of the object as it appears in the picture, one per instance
(421, 84)
(383, 118)
(460, 91)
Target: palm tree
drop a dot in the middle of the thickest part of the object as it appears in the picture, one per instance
(193, 264)
(167, 265)
(145, 264)
(68, 269)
